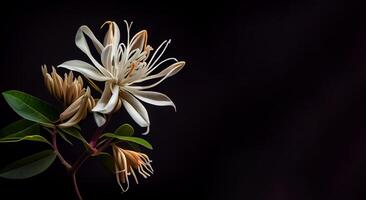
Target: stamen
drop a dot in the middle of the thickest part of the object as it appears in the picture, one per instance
(128, 26)
(160, 63)
(162, 52)
(133, 65)
(153, 56)
(133, 54)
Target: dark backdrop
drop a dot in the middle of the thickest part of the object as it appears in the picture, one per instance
(270, 104)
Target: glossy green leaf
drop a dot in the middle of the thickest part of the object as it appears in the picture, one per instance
(136, 140)
(20, 128)
(107, 161)
(30, 107)
(74, 132)
(29, 166)
(124, 130)
(34, 138)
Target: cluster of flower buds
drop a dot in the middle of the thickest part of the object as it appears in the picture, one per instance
(126, 162)
(71, 92)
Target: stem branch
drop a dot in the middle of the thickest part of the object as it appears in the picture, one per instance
(86, 155)
(58, 154)
(75, 184)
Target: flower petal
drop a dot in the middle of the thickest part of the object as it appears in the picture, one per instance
(77, 114)
(99, 119)
(106, 95)
(169, 71)
(116, 38)
(154, 98)
(81, 42)
(113, 100)
(136, 110)
(109, 35)
(106, 57)
(86, 30)
(71, 110)
(108, 100)
(139, 41)
(84, 68)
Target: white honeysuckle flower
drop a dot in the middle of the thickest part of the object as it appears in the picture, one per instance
(123, 68)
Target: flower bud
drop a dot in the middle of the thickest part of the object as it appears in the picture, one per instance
(70, 91)
(126, 162)
(66, 90)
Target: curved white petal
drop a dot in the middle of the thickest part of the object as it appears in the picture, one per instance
(106, 95)
(139, 41)
(106, 57)
(112, 101)
(109, 35)
(169, 71)
(116, 38)
(85, 69)
(99, 119)
(108, 100)
(98, 46)
(136, 110)
(112, 36)
(154, 98)
(82, 44)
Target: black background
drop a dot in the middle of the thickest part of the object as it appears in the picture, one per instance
(270, 104)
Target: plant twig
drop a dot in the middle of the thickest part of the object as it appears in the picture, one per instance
(75, 167)
(58, 154)
(86, 155)
(75, 184)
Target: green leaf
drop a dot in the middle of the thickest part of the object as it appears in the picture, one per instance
(63, 136)
(34, 138)
(136, 140)
(20, 128)
(74, 132)
(107, 161)
(124, 130)
(77, 127)
(134, 146)
(29, 166)
(30, 107)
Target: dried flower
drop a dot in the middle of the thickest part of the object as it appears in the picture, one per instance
(126, 162)
(123, 67)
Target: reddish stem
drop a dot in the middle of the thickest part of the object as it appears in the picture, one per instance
(75, 184)
(55, 148)
(98, 133)
(86, 155)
